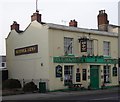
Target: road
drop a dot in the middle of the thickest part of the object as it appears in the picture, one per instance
(100, 96)
(74, 96)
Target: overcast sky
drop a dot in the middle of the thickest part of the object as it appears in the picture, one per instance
(54, 11)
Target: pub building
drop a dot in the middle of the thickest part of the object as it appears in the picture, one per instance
(59, 55)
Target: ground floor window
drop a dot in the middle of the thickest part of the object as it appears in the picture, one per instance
(84, 74)
(78, 77)
(114, 71)
(68, 73)
(106, 74)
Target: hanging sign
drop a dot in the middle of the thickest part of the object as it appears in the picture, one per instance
(58, 71)
(83, 45)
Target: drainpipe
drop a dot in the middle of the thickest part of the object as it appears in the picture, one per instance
(119, 54)
(119, 41)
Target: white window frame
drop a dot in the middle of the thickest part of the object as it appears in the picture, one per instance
(107, 73)
(106, 48)
(68, 74)
(90, 47)
(114, 71)
(68, 45)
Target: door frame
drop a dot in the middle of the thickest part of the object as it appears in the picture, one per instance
(95, 67)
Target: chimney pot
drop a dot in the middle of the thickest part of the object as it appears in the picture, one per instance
(36, 16)
(102, 21)
(73, 23)
(15, 26)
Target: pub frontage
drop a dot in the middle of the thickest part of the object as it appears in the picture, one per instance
(60, 55)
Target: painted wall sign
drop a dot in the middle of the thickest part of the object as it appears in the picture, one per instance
(26, 50)
(58, 71)
(83, 45)
(86, 59)
(66, 59)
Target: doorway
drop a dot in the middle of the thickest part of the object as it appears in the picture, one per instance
(94, 76)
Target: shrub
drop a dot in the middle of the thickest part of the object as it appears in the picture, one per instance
(11, 84)
(30, 87)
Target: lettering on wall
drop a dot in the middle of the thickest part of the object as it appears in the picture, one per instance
(26, 50)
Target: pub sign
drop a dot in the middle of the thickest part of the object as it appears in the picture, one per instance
(83, 45)
(58, 71)
(26, 50)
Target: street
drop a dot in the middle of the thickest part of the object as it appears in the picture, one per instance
(101, 96)
(94, 95)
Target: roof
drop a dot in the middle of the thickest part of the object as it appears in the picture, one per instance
(114, 26)
(81, 30)
(73, 29)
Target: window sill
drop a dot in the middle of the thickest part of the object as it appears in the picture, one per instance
(107, 82)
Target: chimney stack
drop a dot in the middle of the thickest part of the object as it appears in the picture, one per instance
(73, 23)
(15, 26)
(102, 21)
(36, 16)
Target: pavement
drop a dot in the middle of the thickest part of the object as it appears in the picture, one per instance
(33, 96)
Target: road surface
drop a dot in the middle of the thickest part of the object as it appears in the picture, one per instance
(76, 96)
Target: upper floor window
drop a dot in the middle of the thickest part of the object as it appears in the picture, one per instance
(68, 45)
(106, 48)
(90, 47)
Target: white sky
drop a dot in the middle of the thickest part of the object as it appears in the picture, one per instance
(54, 11)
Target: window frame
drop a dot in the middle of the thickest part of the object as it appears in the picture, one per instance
(84, 74)
(68, 74)
(106, 72)
(68, 45)
(90, 47)
(114, 71)
(106, 48)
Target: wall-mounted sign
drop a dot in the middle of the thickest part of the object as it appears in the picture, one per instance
(77, 77)
(58, 71)
(66, 59)
(84, 59)
(26, 50)
(83, 45)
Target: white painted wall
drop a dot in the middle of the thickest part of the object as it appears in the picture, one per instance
(28, 66)
(50, 43)
(56, 48)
